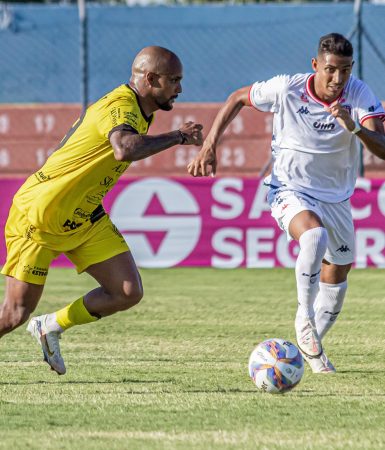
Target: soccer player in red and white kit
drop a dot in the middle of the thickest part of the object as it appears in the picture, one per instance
(320, 119)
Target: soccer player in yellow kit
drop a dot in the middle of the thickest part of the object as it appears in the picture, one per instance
(59, 208)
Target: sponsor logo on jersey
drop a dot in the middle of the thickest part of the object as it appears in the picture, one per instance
(107, 181)
(82, 214)
(115, 116)
(131, 118)
(39, 271)
(374, 107)
(322, 126)
(71, 224)
(304, 98)
(303, 110)
(343, 249)
(41, 176)
(29, 232)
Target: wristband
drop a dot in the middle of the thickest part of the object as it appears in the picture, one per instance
(184, 138)
(357, 127)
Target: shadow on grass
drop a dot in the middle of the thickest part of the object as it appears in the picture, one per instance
(28, 383)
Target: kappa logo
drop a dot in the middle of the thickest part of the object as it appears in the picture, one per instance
(303, 110)
(159, 220)
(343, 249)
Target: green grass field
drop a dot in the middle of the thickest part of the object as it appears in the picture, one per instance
(172, 372)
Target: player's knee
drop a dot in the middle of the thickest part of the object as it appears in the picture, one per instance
(315, 238)
(130, 295)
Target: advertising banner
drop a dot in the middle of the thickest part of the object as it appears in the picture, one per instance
(216, 222)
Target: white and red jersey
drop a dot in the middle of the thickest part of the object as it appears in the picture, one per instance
(312, 152)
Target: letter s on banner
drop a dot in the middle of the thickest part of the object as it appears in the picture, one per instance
(233, 251)
(234, 201)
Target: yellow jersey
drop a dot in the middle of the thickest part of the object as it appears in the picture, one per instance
(62, 196)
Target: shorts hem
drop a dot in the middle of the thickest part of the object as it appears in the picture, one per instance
(24, 279)
(337, 261)
(105, 257)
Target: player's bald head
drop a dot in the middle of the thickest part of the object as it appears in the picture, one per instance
(155, 59)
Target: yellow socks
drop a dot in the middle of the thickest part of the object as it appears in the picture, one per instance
(74, 314)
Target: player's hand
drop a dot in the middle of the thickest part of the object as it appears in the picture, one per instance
(205, 163)
(342, 115)
(192, 133)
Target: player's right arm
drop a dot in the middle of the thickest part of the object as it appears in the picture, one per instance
(207, 156)
(131, 146)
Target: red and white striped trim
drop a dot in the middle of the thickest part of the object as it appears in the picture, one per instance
(380, 116)
(313, 96)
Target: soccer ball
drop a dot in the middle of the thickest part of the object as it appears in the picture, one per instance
(276, 366)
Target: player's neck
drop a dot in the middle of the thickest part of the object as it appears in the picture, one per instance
(146, 104)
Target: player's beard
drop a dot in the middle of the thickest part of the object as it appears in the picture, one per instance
(166, 106)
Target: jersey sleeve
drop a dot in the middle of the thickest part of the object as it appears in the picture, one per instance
(119, 115)
(368, 105)
(265, 95)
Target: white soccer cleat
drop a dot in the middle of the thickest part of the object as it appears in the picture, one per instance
(307, 338)
(49, 342)
(319, 364)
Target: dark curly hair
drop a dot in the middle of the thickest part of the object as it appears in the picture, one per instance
(335, 44)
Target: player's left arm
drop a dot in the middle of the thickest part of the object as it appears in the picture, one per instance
(130, 146)
(371, 134)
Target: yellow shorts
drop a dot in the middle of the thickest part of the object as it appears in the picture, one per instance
(30, 251)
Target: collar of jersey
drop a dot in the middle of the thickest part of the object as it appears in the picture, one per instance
(147, 119)
(313, 96)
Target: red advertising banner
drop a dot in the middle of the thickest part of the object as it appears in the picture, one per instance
(217, 222)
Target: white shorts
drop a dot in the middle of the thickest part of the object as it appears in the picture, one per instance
(336, 218)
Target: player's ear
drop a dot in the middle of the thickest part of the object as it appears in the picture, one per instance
(151, 78)
(314, 64)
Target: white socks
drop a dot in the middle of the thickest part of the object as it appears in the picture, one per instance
(51, 323)
(313, 245)
(328, 304)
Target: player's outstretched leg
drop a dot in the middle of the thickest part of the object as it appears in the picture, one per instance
(49, 342)
(313, 244)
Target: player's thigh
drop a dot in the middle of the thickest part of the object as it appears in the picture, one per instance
(27, 260)
(106, 256)
(102, 242)
(294, 212)
(338, 221)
